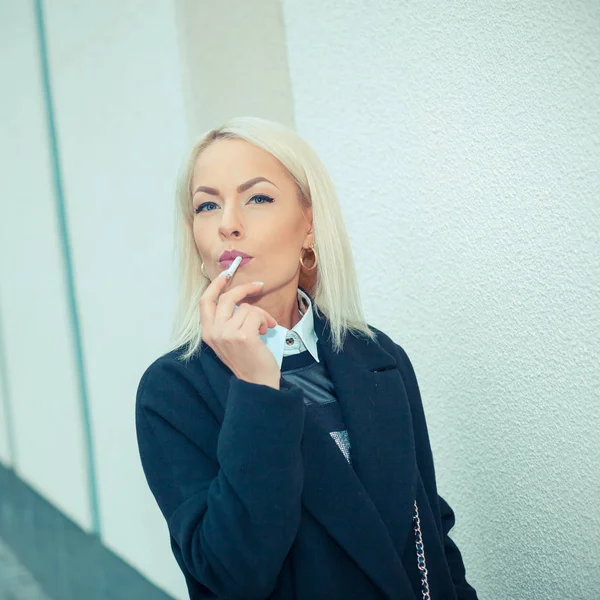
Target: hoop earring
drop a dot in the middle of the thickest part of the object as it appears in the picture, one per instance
(203, 271)
(315, 260)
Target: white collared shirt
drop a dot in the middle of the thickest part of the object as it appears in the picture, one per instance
(302, 336)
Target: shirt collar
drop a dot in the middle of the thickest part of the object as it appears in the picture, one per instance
(275, 337)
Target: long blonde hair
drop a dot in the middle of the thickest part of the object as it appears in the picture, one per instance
(332, 285)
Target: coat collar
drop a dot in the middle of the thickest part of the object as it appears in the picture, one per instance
(366, 507)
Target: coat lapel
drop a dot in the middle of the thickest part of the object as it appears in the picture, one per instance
(366, 507)
(376, 410)
(377, 416)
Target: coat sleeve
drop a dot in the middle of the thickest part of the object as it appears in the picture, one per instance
(457, 568)
(230, 492)
(445, 515)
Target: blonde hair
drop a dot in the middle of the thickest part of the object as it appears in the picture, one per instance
(333, 285)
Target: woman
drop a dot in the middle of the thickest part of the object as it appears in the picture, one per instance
(284, 438)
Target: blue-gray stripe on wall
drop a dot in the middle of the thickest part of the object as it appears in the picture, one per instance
(7, 409)
(68, 266)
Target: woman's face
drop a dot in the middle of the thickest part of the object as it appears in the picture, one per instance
(244, 199)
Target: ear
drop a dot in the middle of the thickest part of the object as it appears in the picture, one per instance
(309, 239)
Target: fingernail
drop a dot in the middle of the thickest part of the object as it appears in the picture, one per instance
(258, 282)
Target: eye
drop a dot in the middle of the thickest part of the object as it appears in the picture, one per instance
(199, 209)
(267, 199)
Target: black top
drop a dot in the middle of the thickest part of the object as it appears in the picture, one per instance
(319, 395)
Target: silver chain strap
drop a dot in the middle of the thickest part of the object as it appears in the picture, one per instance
(420, 554)
(416, 528)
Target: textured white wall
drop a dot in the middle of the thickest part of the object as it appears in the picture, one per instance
(121, 129)
(234, 62)
(464, 140)
(122, 132)
(41, 382)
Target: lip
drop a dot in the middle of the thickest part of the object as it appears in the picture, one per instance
(227, 263)
(231, 254)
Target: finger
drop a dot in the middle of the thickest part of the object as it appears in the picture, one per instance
(208, 300)
(254, 323)
(224, 313)
(240, 317)
(267, 321)
(233, 296)
(210, 296)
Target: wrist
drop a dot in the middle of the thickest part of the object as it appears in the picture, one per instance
(274, 383)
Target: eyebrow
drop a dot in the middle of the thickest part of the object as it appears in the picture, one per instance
(241, 188)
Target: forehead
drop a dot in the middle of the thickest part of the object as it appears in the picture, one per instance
(235, 161)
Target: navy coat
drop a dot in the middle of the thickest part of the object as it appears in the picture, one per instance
(261, 504)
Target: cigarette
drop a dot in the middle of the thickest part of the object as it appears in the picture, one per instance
(228, 273)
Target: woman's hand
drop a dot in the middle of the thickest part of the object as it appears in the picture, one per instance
(235, 336)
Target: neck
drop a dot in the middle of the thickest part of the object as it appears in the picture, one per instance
(294, 316)
(281, 304)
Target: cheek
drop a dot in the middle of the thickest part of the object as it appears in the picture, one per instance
(198, 240)
(281, 230)
(281, 249)
(280, 241)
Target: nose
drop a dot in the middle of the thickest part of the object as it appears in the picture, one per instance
(230, 225)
